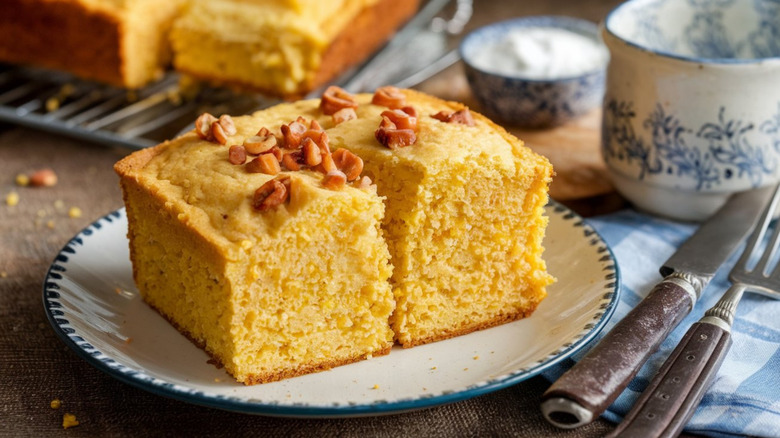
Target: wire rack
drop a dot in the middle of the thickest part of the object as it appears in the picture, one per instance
(60, 103)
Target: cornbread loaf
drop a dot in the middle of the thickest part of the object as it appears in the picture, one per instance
(463, 215)
(121, 42)
(281, 47)
(270, 286)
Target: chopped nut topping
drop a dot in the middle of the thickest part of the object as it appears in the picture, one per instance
(43, 178)
(390, 97)
(344, 115)
(335, 98)
(334, 180)
(271, 194)
(311, 152)
(389, 135)
(327, 164)
(227, 124)
(315, 125)
(258, 144)
(363, 183)
(410, 110)
(237, 154)
(349, 163)
(400, 119)
(218, 133)
(203, 125)
(290, 161)
(266, 163)
(293, 134)
(462, 117)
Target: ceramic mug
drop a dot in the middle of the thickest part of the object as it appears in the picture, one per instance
(691, 111)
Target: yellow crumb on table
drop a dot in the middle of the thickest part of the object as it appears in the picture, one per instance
(41, 213)
(69, 420)
(74, 212)
(3, 274)
(12, 199)
(59, 204)
(476, 357)
(375, 386)
(22, 180)
(56, 403)
(128, 340)
(50, 224)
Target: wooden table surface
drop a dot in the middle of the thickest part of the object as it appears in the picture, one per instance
(36, 367)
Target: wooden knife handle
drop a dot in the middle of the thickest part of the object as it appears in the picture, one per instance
(585, 391)
(672, 397)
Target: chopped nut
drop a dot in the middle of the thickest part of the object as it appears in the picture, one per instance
(410, 110)
(259, 144)
(462, 117)
(327, 164)
(203, 125)
(315, 125)
(43, 178)
(335, 98)
(311, 152)
(390, 97)
(227, 124)
(293, 134)
(266, 163)
(344, 115)
(74, 212)
(270, 195)
(349, 163)
(237, 154)
(12, 199)
(69, 420)
(363, 183)
(22, 180)
(218, 133)
(389, 135)
(334, 180)
(400, 119)
(55, 404)
(320, 137)
(290, 161)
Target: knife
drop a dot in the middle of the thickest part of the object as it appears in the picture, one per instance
(585, 391)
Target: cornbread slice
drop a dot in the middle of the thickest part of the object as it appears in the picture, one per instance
(271, 294)
(121, 42)
(463, 221)
(284, 47)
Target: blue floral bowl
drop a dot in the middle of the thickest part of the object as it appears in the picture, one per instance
(692, 105)
(531, 102)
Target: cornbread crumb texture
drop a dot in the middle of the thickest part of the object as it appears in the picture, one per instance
(56, 403)
(299, 288)
(303, 287)
(69, 420)
(464, 220)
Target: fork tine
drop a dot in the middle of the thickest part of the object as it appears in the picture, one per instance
(758, 234)
(768, 262)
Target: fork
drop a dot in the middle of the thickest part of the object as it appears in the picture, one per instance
(676, 390)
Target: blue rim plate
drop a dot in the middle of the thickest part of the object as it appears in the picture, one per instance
(91, 301)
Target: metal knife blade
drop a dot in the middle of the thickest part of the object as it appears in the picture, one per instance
(585, 391)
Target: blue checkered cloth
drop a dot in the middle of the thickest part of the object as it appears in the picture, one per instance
(745, 396)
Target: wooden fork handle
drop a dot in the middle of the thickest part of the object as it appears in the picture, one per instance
(585, 391)
(671, 398)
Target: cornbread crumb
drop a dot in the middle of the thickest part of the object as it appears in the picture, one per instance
(217, 380)
(117, 290)
(59, 204)
(465, 369)
(22, 180)
(69, 420)
(50, 224)
(476, 357)
(128, 340)
(41, 213)
(3, 274)
(376, 386)
(56, 403)
(12, 199)
(433, 368)
(74, 212)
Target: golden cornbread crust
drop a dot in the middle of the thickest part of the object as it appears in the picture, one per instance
(119, 43)
(62, 35)
(372, 27)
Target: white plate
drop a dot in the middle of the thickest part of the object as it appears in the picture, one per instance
(91, 301)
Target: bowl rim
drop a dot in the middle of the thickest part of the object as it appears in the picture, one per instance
(527, 21)
(735, 62)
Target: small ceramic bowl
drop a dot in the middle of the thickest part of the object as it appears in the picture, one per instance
(521, 100)
(692, 106)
